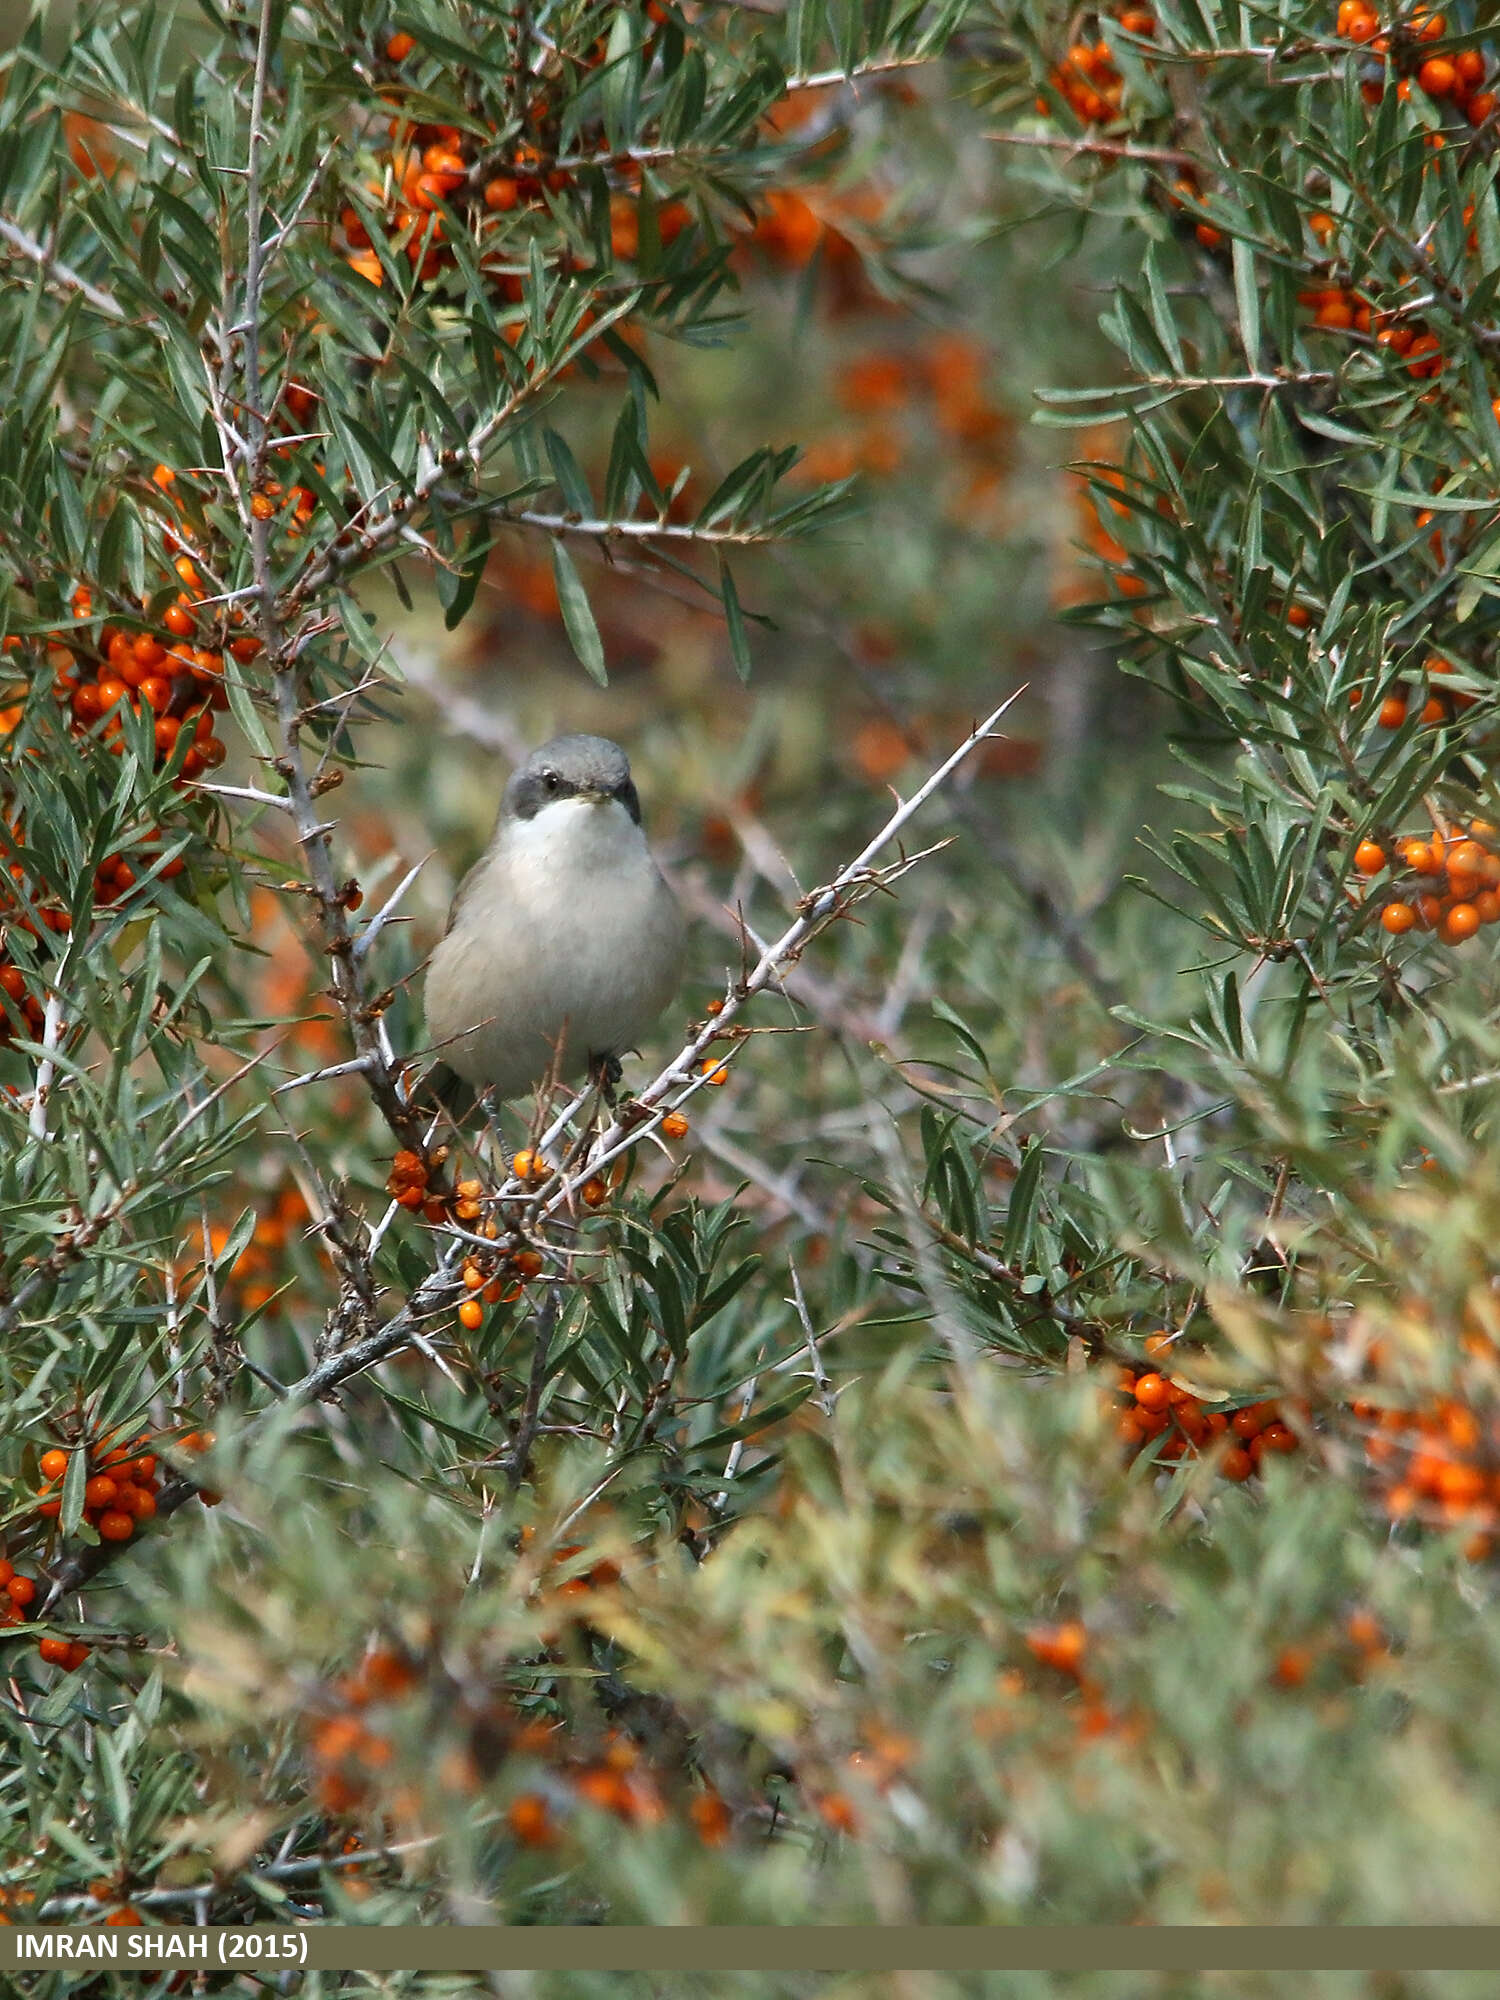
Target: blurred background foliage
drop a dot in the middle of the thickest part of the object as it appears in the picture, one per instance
(1028, 1452)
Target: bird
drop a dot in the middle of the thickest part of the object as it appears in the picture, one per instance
(565, 942)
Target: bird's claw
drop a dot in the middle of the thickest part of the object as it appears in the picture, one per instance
(605, 1073)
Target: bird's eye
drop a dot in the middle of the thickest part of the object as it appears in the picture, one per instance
(551, 780)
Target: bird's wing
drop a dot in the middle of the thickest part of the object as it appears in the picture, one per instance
(463, 889)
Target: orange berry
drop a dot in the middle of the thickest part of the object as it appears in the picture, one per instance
(100, 1492)
(1362, 1629)
(471, 1315)
(116, 1526)
(1465, 857)
(1392, 712)
(55, 1651)
(1236, 1464)
(1398, 918)
(836, 1812)
(1369, 857)
(674, 1126)
(501, 193)
(53, 1463)
(1060, 1646)
(1460, 924)
(716, 1073)
(594, 1192)
(1437, 76)
(1424, 357)
(21, 1589)
(400, 46)
(711, 1818)
(1152, 1392)
(526, 1263)
(1293, 1665)
(530, 1820)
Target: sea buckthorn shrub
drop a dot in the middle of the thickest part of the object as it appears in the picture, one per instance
(1019, 1437)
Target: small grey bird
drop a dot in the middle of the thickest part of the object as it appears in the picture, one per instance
(563, 939)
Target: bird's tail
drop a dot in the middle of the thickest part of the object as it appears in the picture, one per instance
(443, 1089)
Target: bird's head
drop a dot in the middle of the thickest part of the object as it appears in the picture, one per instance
(568, 772)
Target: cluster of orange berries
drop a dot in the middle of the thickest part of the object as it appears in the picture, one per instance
(1458, 79)
(489, 1279)
(431, 168)
(483, 1279)
(19, 1592)
(1356, 1647)
(120, 1490)
(25, 1003)
(1438, 704)
(1064, 1648)
(1154, 1406)
(617, 1781)
(144, 671)
(1087, 78)
(407, 1181)
(1339, 309)
(253, 1273)
(427, 170)
(1438, 1464)
(1466, 865)
(345, 1749)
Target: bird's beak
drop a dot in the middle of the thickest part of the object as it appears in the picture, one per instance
(596, 798)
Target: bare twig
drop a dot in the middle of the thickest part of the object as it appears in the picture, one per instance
(46, 1069)
(60, 273)
(544, 1325)
(815, 1360)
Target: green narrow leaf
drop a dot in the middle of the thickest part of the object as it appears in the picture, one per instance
(467, 585)
(74, 1481)
(577, 613)
(1020, 1216)
(734, 621)
(1247, 299)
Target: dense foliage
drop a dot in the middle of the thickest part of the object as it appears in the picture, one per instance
(1004, 1423)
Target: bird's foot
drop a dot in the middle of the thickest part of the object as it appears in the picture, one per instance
(605, 1073)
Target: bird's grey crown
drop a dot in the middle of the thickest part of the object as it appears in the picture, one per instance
(567, 767)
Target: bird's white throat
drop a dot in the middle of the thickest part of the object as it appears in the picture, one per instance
(567, 847)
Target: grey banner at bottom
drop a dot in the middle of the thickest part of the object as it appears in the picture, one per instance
(745, 1948)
